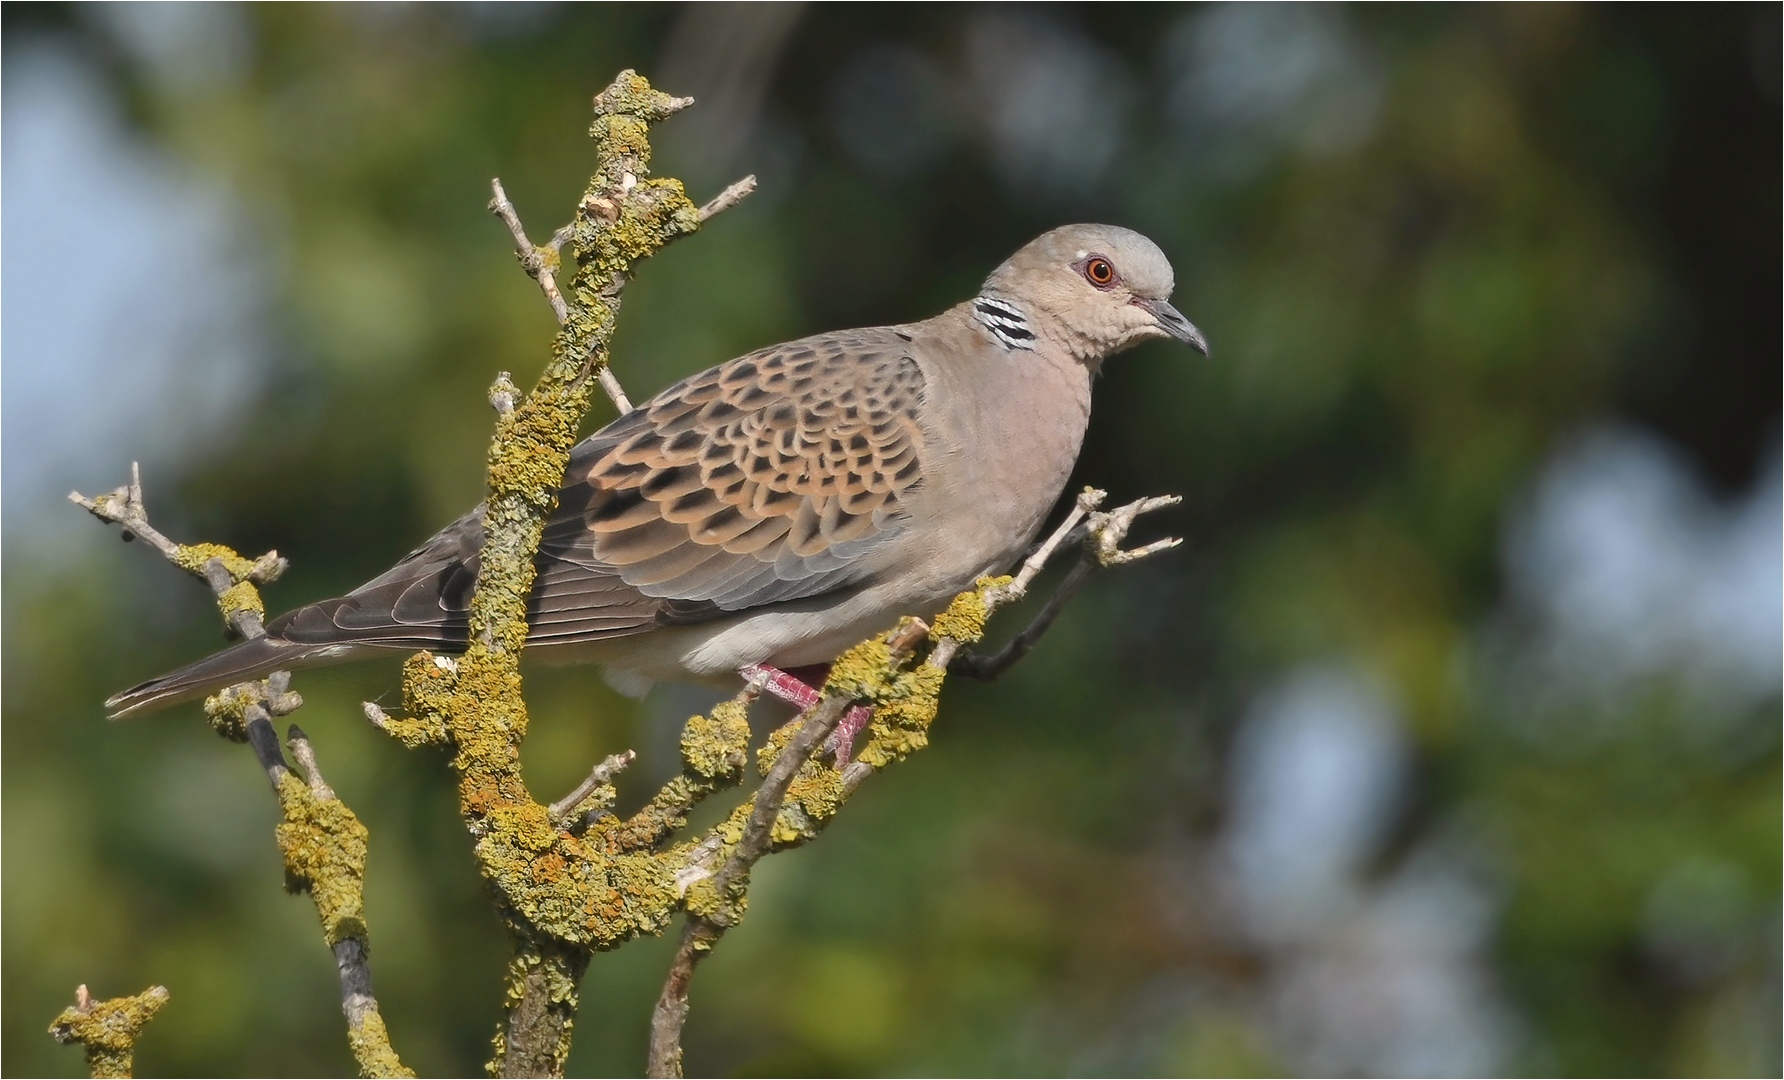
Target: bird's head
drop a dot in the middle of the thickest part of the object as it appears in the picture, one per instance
(1094, 289)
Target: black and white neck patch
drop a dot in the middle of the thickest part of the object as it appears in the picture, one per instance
(1005, 321)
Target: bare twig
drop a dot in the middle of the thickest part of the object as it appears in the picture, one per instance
(108, 1030)
(124, 506)
(1102, 533)
(230, 576)
(566, 809)
(987, 667)
(541, 264)
(728, 198)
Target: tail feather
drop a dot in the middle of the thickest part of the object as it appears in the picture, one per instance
(247, 660)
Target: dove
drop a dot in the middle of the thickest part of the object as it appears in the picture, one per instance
(764, 515)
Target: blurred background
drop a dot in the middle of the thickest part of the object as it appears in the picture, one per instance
(1447, 744)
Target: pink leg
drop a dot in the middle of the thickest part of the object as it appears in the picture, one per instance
(795, 691)
(789, 688)
(842, 740)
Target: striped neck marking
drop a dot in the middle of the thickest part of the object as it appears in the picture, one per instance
(1005, 321)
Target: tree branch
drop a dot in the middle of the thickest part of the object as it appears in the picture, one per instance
(324, 846)
(542, 262)
(987, 667)
(108, 1030)
(231, 577)
(799, 795)
(322, 842)
(728, 198)
(1102, 535)
(553, 884)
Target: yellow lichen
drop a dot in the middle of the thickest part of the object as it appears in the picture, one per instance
(526, 824)
(415, 732)
(705, 900)
(371, 1047)
(777, 741)
(817, 792)
(240, 597)
(964, 621)
(716, 747)
(227, 711)
(109, 1029)
(324, 846)
(193, 558)
(863, 673)
(901, 719)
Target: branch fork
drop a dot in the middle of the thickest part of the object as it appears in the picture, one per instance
(323, 843)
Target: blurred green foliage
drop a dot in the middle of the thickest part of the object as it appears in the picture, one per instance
(1485, 228)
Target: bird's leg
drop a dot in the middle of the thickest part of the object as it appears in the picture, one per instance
(842, 740)
(796, 687)
(786, 685)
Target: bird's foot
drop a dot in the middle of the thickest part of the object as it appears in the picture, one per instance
(842, 741)
(795, 687)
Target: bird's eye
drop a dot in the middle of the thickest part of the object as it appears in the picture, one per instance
(1099, 272)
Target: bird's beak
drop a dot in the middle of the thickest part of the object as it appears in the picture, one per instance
(1172, 322)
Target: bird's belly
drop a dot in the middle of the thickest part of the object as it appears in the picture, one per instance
(795, 635)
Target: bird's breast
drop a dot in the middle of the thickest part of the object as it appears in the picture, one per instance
(1010, 444)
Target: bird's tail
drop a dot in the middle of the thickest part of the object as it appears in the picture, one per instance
(247, 660)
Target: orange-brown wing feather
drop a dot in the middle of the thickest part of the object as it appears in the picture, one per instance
(763, 480)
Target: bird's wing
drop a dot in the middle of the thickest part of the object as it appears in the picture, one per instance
(767, 479)
(764, 480)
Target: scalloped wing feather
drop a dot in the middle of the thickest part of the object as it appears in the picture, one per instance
(764, 480)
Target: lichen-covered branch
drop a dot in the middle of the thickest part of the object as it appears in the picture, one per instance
(542, 261)
(565, 887)
(108, 1030)
(800, 794)
(323, 843)
(231, 577)
(324, 846)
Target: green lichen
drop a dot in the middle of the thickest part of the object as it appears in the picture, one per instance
(108, 1030)
(324, 846)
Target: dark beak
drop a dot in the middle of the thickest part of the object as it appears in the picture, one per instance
(1172, 322)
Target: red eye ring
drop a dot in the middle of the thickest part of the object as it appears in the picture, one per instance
(1099, 272)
